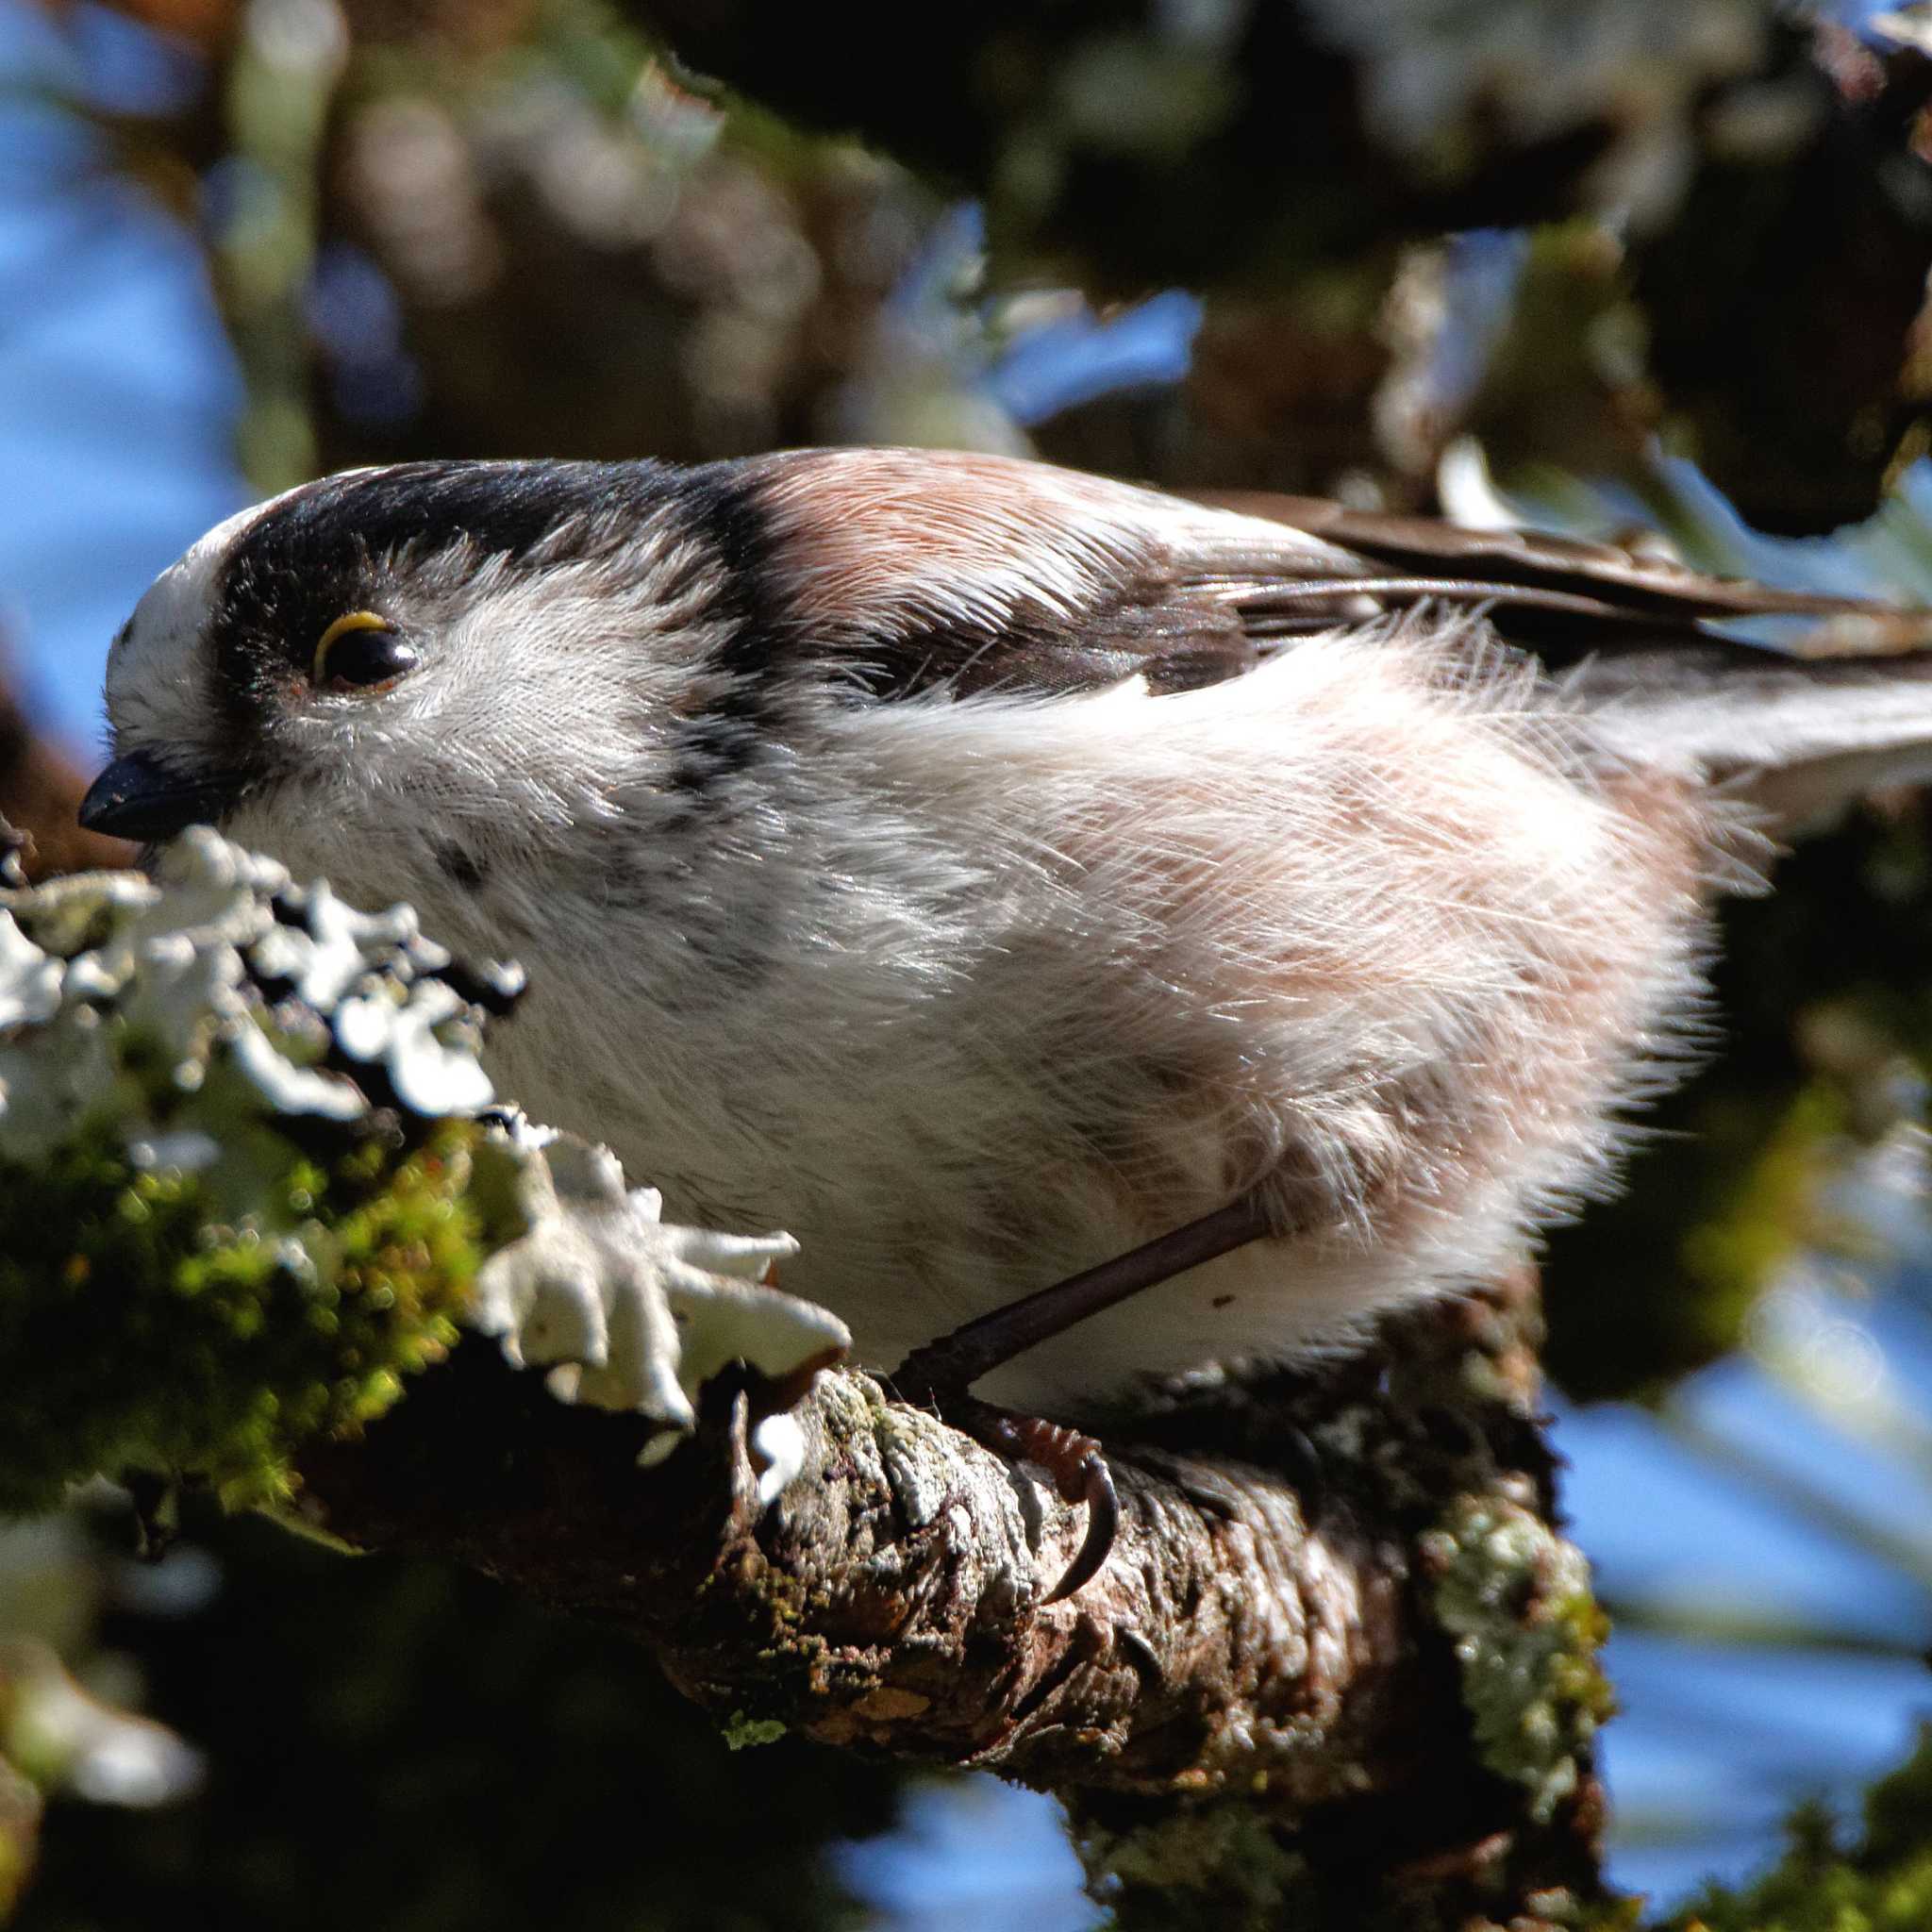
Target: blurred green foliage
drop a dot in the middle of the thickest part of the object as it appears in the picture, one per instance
(1881, 1883)
(1824, 1005)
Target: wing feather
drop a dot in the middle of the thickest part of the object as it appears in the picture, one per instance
(920, 571)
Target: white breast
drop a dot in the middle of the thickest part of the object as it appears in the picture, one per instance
(1004, 987)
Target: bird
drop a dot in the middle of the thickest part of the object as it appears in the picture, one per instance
(1259, 914)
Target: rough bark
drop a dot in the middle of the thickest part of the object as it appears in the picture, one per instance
(1265, 1646)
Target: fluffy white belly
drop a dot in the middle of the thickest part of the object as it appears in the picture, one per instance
(975, 995)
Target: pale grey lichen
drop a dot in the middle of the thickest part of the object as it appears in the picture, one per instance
(65, 1738)
(430, 1077)
(331, 954)
(634, 1313)
(29, 980)
(1515, 1597)
(778, 1451)
(193, 1033)
(150, 997)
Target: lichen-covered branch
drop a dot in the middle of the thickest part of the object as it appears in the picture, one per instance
(892, 1596)
(245, 1191)
(251, 1202)
(1336, 1634)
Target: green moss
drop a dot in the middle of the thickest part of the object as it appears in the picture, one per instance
(141, 1329)
(743, 1733)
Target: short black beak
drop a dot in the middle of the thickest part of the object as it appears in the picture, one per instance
(139, 797)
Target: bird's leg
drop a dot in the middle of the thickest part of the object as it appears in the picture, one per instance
(955, 1362)
(944, 1369)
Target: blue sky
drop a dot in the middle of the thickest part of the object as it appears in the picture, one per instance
(116, 394)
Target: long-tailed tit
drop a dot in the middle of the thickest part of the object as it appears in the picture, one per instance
(985, 871)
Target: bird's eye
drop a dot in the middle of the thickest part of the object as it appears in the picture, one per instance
(361, 651)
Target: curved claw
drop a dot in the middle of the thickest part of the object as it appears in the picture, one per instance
(1097, 1492)
(1078, 1467)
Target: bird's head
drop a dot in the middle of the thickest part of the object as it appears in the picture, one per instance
(401, 675)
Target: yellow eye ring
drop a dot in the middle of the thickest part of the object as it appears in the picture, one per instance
(353, 620)
(374, 668)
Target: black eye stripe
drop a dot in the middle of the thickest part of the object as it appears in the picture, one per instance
(347, 542)
(375, 540)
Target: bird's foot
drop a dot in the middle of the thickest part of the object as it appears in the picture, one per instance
(1076, 1463)
(1078, 1467)
(944, 1370)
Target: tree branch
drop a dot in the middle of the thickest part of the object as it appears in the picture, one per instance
(1273, 1632)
